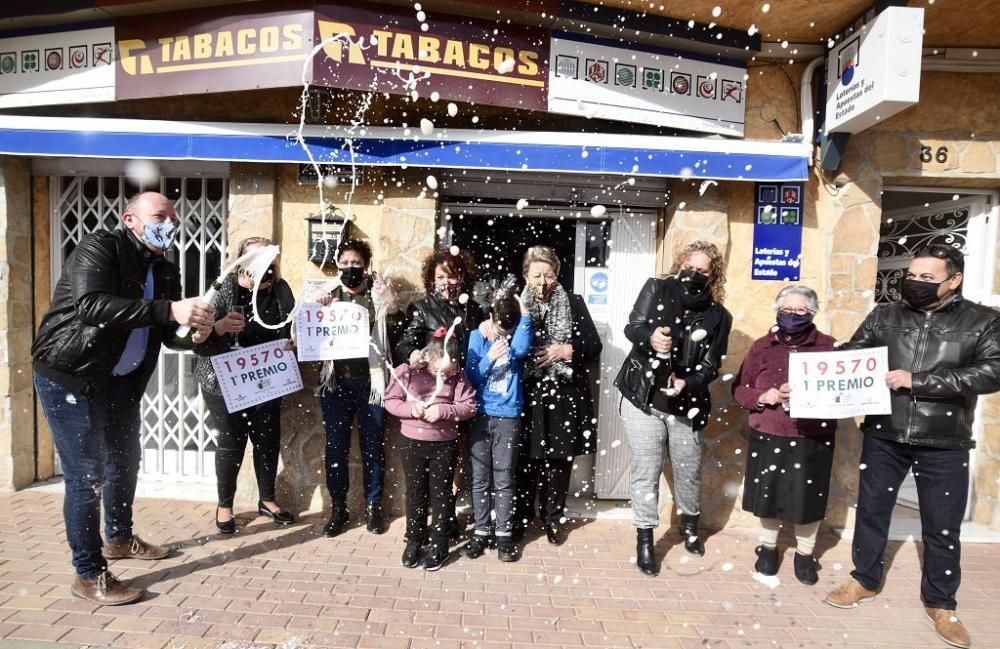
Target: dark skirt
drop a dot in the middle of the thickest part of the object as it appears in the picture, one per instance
(788, 478)
(557, 418)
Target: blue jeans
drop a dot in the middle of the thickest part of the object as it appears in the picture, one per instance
(97, 438)
(340, 408)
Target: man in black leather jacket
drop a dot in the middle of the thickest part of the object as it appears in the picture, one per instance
(116, 301)
(943, 352)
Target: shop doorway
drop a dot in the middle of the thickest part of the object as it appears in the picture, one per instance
(913, 218)
(605, 259)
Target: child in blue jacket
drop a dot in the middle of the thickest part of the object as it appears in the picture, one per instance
(495, 367)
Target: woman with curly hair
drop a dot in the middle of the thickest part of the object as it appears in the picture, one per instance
(447, 278)
(679, 332)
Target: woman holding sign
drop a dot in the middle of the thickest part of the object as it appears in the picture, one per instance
(261, 424)
(789, 460)
(679, 332)
(354, 388)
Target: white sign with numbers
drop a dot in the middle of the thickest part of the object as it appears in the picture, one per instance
(838, 385)
(252, 375)
(326, 333)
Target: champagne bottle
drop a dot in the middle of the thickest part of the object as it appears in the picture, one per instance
(184, 336)
(664, 367)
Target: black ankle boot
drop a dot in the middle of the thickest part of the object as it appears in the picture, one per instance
(689, 530)
(645, 558)
(338, 519)
(767, 560)
(374, 520)
(805, 569)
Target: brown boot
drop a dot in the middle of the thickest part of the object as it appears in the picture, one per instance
(132, 547)
(949, 628)
(105, 589)
(849, 595)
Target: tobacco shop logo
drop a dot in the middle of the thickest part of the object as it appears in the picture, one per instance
(398, 49)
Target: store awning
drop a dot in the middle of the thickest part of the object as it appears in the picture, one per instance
(603, 153)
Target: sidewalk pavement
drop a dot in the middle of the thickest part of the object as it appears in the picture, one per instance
(294, 589)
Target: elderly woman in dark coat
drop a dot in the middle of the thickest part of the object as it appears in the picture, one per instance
(558, 422)
(789, 460)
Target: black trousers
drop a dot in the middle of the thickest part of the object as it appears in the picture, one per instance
(544, 480)
(942, 478)
(429, 468)
(261, 424)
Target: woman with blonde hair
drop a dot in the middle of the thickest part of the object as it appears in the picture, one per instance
(679, 332)
(558, 421)
(261, 424)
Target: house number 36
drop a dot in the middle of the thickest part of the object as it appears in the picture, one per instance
(927, 154)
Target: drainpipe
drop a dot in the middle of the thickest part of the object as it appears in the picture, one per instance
(806, 105)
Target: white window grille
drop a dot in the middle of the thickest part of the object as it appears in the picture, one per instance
(177, 441)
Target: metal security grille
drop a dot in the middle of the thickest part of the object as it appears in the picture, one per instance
(176, 439)
(904, 232)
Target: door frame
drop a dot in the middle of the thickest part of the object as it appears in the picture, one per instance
(981, 239)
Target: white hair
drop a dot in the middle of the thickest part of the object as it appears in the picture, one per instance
(810, 295)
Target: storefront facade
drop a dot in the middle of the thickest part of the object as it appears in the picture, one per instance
(660, 191)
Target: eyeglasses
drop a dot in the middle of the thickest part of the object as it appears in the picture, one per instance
(799, 311)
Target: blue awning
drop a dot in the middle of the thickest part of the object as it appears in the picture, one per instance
(597, 153)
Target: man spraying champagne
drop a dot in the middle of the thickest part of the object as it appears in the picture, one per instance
(115, 303)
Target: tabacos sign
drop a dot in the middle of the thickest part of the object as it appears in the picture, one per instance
(460, 58)
(210, 51)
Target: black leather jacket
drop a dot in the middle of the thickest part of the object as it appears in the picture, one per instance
(695, 361)
(429, 313)
(97, 303)
(953, 353)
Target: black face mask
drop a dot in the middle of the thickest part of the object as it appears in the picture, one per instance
(920, 294)
(352, 276)
(794, 323)
(694, 282)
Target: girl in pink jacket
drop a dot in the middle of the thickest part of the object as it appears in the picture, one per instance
(430, 398)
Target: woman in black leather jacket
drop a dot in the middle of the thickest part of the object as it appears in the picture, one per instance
(679, 332)
(448, 281)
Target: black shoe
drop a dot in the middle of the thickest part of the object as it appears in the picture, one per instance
(689, 530)
(338, 520)
(436, 557)
(280, 517)
(805, 569)
(373, 517)
(476, 546)
(226, 527)
(554, 534)
(645, 559)
(411, 555)
(507, 549)
(767, 560)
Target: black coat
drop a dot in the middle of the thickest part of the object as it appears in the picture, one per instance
(559, 415)
(97, 303)
(427, 315)
(697, 362)
(953, 354)
(277, 300)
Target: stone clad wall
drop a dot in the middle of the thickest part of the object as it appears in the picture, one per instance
(17, 430)
(401, 231)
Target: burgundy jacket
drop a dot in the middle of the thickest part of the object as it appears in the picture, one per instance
(766, 366)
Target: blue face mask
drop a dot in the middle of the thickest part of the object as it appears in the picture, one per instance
(159, 235)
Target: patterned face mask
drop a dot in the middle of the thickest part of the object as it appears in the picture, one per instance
(159, 235)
